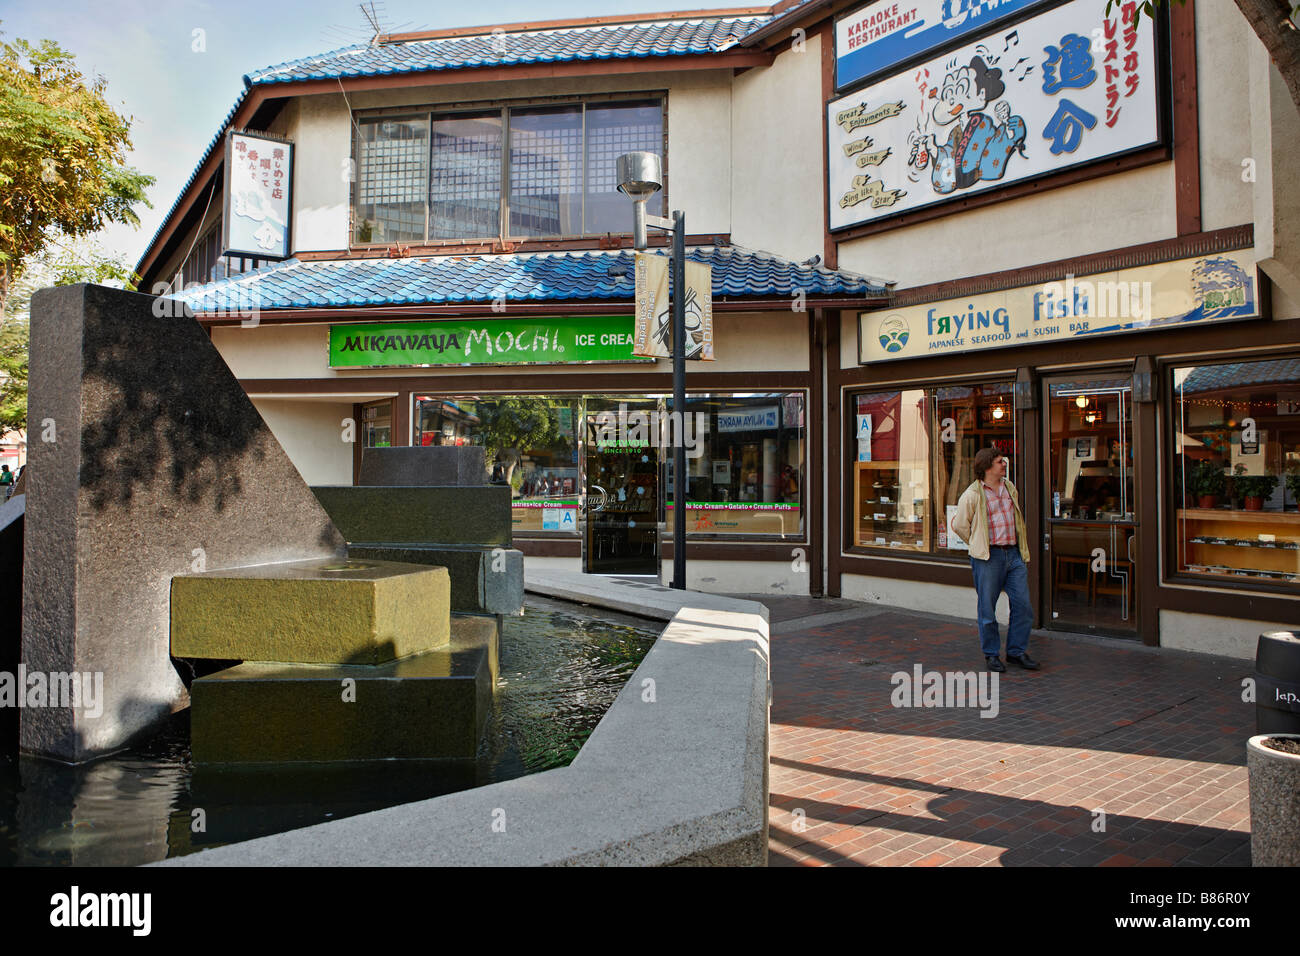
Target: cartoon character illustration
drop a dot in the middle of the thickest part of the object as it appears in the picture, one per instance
(979, 147)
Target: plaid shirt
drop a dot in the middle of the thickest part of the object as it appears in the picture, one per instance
(1002, 515)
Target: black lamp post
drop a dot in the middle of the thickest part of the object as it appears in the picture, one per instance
(640, 176)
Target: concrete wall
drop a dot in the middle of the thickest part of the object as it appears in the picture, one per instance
(311, 434)
(916, 596)
(1226, 636)
(776, 155)
(320, 129)
(743, 577)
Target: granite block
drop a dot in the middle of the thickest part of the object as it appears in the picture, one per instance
(483, 580)
(431, 705)
(419, 515)
(147, 460)
(324, 612)
(424, 465)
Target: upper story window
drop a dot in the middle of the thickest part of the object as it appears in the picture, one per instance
(510, 172)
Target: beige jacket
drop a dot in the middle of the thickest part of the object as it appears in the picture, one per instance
(971, 521)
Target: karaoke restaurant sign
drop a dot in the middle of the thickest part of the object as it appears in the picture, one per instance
(549, 341)
(1212, 288)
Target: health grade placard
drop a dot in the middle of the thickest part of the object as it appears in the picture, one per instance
(546, 341)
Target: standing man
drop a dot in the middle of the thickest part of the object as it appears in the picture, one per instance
(988, 519)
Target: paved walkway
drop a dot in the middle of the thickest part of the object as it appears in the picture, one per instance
(1153, 739)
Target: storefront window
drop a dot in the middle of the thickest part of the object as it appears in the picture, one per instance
(891, 486)
(530, 443)
(1236, 470)
(913, 455)
(967, 418)
(748, 477)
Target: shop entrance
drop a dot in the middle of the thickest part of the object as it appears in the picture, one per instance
(622, 492)
(1091, 575)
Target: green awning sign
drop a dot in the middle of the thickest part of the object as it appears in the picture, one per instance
(545, 341)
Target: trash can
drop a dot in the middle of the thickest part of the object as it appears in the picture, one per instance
(1277, 683)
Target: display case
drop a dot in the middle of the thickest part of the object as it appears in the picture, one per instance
(1254, 545)
(886, 514)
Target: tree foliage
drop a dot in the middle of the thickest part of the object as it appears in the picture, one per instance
(59, 263)
(62, 156)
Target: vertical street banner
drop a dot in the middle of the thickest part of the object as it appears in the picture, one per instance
(654, 311)
(255, 217)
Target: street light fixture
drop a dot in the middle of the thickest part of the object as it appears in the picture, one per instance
(640, 176)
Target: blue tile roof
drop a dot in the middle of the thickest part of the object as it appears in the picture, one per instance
(603, 42)
(661, 38)
(521, 277)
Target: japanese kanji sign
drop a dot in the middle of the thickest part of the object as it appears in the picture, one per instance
(255, 218)
(654, 311)
(1067, 87)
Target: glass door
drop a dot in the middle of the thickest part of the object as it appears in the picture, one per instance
(1091, 571)
(622, 493)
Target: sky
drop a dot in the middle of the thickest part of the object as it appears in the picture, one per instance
(178, 85)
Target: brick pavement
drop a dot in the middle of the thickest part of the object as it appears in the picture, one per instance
(1155, 739)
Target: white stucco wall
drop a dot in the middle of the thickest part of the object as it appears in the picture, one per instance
(776, 155)
(311, 436)
(320, 129)
(1223, 47)
(1110, 212)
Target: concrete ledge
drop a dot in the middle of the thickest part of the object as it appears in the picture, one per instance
(674, 778)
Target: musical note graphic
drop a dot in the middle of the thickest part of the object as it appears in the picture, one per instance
(1013, 33)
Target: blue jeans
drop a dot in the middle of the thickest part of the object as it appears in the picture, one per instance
(1003, 571)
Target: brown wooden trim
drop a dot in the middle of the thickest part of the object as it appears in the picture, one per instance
(1135, 160)
(813, 470)
(603, 21)
(831, 253)
(356, 442)
(503, 381)
(400, 434)
(737, 550)
(549, 547)
(1029, 458)
(1128, 257)
(1146, 464)
(415, 313)
(937, 572)
(1187, 135)
(492, 247)
(834, 443)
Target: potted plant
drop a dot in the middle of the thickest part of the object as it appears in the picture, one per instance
(1253, 488)
(1208, 482)
(1293, 480)
(1273, 768)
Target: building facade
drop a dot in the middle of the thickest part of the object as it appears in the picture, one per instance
(1031, 225)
